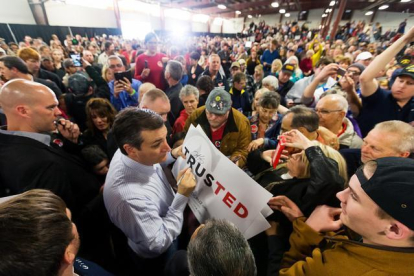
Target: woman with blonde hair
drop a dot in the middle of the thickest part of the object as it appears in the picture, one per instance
(258, 77)
(276, 67)
(312, 175)
(107, 74)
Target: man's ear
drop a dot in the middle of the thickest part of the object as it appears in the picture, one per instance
(70, 254)
(405, 154)
(22, 110)
(130, 150)
(303, 130)
(397, 231)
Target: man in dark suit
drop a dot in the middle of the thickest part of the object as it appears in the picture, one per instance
(29, 156)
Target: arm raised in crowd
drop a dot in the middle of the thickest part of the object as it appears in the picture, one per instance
(308, 94)
(367, 79)
(354, 101)
(102, 88)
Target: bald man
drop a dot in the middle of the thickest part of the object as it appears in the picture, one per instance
(144, 88)
(331, 110)
(29, 156)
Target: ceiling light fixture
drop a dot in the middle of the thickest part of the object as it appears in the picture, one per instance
(275, 4)
(324, 15)
(369, 13)
(287, 14)
(405, 1)
(249, 16)
(332, 3)
(282, 10)
(221, 7)
(238, 12)
(383, 7)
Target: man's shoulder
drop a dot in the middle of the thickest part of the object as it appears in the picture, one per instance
(13, 147)
(197, 113)
(135, 82)
(380, 93)
(239, 117)
(47, 74)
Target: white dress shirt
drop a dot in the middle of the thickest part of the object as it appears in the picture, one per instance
(141, 202)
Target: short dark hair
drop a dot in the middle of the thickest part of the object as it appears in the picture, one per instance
(324, 61)
(205, 83)
(238, 77)
(35, 232)
(107, 45)
(175, 69)
(130, 122)
(15, 62)
(41, 48)
(270, 100)
(195, 55)
(220, 249)
(93, 154)
(304, 117)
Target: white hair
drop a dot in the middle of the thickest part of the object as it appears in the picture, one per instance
(271, 81)
(404, 132)
(341, 101)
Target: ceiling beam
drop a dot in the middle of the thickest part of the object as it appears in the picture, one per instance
(236, 7)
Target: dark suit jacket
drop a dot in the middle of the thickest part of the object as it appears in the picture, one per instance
(51, 85)
(28, 164)
(46, 75)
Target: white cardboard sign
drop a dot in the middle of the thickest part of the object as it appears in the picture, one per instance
(223, 191)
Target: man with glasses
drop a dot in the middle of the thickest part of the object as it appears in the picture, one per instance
(377, 206)
(350, 84)
(227, 128)
(332, 110)
(123, 92)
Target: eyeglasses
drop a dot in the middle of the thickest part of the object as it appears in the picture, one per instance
(115, 65)
(326, 112)
(355, 73)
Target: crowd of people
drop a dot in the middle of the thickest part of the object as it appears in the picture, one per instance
(92, 126)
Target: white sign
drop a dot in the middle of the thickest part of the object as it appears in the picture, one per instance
(223, 191)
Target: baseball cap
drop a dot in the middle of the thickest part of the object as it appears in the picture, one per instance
(364, 56)
(67, 63)
(242, 61)
(78, 84)
(392, 187)
(407, 71)
(405, 61)
(360, 67)
(218, 101)
(46, 58)
(235, 64)
(288, 68)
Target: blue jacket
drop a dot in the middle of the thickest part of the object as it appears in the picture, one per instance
(269, 57)
(124, 99)
(240, 100)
